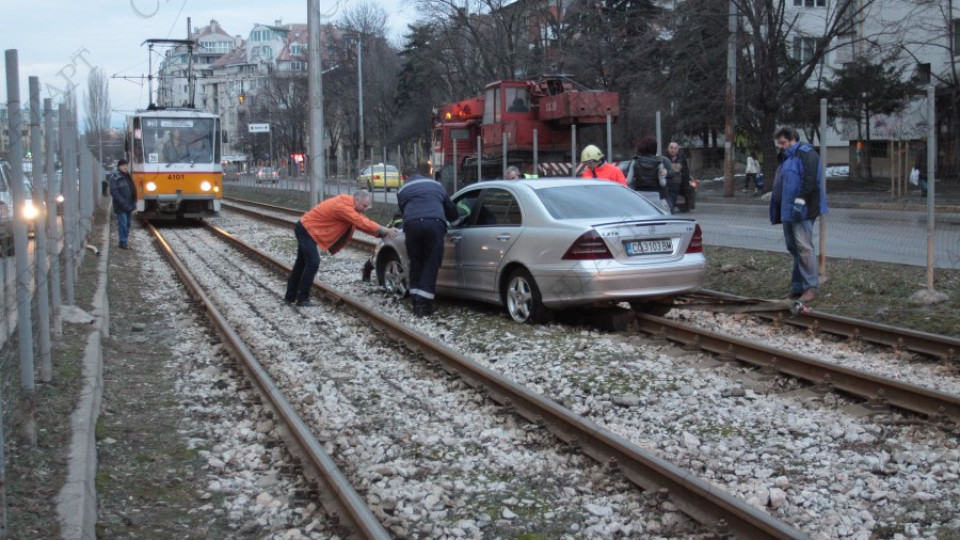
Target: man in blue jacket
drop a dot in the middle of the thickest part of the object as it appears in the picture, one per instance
(124, 196)
(426, 209)
(797, 198)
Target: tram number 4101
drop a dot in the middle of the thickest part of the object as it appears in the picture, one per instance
(175, 176)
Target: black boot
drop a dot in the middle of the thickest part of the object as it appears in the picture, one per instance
(424, 309)
(367, 270)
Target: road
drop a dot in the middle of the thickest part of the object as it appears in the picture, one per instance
(894, 236)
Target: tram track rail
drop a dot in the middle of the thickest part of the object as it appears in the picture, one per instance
(877, 391)
(340, 493)
(698, 499)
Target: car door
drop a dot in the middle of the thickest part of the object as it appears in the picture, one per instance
(450, 275)
(496, 225)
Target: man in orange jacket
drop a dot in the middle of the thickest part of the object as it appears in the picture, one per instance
(597, 167)
(328, 226)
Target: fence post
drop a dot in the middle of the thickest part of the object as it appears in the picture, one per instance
(39, 233)
(823, 170)
(23, 277)
(503, 139)
(69, 153)
(479, 159)
(931, 174)
(536, 155)
(573, 150)
(53, 232)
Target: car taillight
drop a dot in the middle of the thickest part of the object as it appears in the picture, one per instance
(588, 246)
(693, 184)
(696, 243)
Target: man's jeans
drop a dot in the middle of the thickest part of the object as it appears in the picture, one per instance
(123, 227)
(798, 236)
(305, 268)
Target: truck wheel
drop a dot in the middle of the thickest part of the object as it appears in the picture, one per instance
(522, 298)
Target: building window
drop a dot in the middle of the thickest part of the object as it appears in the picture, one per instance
(804, 49)
(956, 36)
(298, 66)
(296, 49)
(810, 3)
(922, 74)
(215, 46)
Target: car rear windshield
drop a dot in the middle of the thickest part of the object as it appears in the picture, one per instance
(591, 201)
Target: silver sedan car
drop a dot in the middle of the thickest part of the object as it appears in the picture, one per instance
(538, 245)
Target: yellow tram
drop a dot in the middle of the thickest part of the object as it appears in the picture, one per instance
(174, 156)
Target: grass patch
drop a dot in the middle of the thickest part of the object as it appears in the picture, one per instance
(866, 290)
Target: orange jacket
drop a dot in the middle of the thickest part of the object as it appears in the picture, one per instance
(606, 172)
(332, 222)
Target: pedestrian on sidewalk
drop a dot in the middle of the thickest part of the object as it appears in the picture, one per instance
(797, 198)
(426, 209)
(124, 196)
(678, 175)
(328, 226)
(753, 169)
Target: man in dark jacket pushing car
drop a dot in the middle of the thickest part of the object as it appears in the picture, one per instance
(426, 209)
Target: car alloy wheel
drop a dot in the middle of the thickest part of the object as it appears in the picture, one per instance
(394, 275)
(522, 298)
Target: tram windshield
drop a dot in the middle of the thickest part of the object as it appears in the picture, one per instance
(175, 140)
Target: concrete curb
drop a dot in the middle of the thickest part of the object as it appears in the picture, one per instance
(77, 501)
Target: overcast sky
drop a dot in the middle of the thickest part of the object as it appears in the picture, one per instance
(60, 41)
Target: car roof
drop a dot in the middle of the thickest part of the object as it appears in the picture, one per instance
(540, 183)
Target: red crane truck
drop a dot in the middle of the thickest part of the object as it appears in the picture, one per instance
(533, 116)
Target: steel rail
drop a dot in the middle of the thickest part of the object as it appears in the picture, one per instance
(942, 347)
(698, 499)
(346, 501)
(878, 390)
(273, 207)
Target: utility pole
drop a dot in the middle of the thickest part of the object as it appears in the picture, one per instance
(729, 103)
(315, 90)
(361, 155)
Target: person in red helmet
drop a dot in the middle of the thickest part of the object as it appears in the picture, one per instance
(597, 167)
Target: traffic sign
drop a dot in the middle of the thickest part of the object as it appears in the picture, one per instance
(258, 128)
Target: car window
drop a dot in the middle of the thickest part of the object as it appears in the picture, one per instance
(465, 203)
(498, 207)
(592, 201)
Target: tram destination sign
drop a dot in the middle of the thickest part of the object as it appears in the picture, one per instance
(258, 128)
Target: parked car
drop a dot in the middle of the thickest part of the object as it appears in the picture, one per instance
(372, 177)
(28, 212)
(267, 175)
(538, 245)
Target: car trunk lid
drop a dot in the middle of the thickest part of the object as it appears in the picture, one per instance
(647, 241)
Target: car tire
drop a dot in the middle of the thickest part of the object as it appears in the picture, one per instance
(522, 299)
(393, 275)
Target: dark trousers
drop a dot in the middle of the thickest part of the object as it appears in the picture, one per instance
(751, 179)
(424, 241)
(305, 268)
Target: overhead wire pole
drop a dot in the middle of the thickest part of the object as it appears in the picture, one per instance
(362, 154)
(315, 88)
(931, 174)
(40, 181)
(729, 102)
(823, 171)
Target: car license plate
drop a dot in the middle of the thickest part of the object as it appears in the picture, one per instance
(648, 247)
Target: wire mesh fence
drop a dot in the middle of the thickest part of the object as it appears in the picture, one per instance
(44, 225)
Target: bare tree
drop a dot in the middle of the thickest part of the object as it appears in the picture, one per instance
(97, 117)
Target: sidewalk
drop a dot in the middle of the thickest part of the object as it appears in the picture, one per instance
(845, 193)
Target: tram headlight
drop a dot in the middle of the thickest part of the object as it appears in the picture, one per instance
(60, 198)
(216, 189)
(205, 186)
(151, 186)
(30, 211)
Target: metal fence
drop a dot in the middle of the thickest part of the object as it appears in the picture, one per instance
(47, 217)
